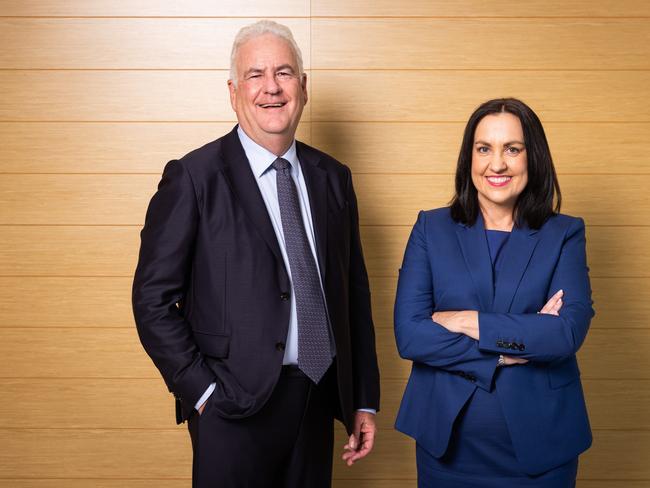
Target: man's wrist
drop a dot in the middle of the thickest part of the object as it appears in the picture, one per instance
(368, 410)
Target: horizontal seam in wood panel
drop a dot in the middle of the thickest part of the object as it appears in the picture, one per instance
(402, 378)
(364, 173)
(234, 121)
(308, 70)
(368, 122)
(174, 429)
(127, 327)
(337, 17)
(140, 17)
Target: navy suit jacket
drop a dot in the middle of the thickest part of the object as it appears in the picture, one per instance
(447, 266)
(211, 292)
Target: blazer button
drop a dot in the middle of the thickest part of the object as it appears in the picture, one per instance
(279, 346)
(284, 296)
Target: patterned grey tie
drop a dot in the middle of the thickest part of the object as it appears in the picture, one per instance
(314, 353)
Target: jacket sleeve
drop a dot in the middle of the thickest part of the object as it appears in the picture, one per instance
(364, 354)
(160, 282)
(421, 339)
(543, 337)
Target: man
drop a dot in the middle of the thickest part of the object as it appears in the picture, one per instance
(251, 294)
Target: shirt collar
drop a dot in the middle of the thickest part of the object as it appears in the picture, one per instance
(261, 159)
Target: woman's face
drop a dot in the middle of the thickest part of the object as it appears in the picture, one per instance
(499, 162)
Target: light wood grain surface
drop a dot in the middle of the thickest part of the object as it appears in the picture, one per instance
(98, 95)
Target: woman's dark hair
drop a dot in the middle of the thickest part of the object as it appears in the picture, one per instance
(541, 197)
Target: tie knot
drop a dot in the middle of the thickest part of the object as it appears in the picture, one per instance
(281, 164)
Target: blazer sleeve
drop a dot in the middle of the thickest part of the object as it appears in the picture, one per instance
(544, 337)
(421, 339)
(364, 355)
(160, 282)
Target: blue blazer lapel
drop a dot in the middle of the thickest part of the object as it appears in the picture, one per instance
(473, 244)
(516, 256)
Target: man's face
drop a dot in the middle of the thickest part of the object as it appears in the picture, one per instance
(270, 92)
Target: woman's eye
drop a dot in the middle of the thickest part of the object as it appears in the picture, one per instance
(482, 149)
(514, 150)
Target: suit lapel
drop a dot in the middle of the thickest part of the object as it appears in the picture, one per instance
(316, 182)
(516, 256)
(473, 244)
(242, 182)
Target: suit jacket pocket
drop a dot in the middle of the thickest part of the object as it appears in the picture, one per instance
(562, 373)
(214, 345)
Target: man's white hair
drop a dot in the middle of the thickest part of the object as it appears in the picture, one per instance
(259, 29)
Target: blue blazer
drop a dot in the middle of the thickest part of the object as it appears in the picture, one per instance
(447, 267)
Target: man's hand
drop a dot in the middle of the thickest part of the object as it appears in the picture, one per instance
(362, 439)
(202, 407)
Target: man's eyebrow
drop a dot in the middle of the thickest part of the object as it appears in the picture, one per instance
(285, 67)
(252, 70)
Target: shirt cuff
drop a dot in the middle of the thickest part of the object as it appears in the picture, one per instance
(205, 395)
(369, 410)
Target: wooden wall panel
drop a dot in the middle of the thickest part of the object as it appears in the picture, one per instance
(88, 301)
(115, 96)
(144, 43)
(56, 251)
(611, 251)
(154, 8)
(124, 403)
(423, 96)
(478, 44)
(117, 353)
(106, 147)
(619, 302)
(605, 354)
(128, 454)
(183, 482)
(62, 250)
(384, 199)
(410, 147)
(65, 302)
(99, 95)
(477, 8)
(429, 148)
(557, 96)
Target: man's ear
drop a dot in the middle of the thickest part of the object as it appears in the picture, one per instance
(233, 94)
(303, 86)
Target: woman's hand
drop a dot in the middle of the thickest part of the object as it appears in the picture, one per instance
(552, 307)
(461, 322)
(466, 322)
(554, 304)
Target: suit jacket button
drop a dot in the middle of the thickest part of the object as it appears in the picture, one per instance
(279, 346)
(522, 347)
(284, 296)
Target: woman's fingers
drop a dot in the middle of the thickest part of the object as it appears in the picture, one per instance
(551, 307)
(510, 360)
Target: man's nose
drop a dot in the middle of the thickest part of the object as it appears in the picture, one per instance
(271, 84)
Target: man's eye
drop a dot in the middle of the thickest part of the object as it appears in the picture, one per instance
(283, 74)
(257, 75)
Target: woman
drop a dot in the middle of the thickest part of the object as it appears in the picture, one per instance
(493, 302)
